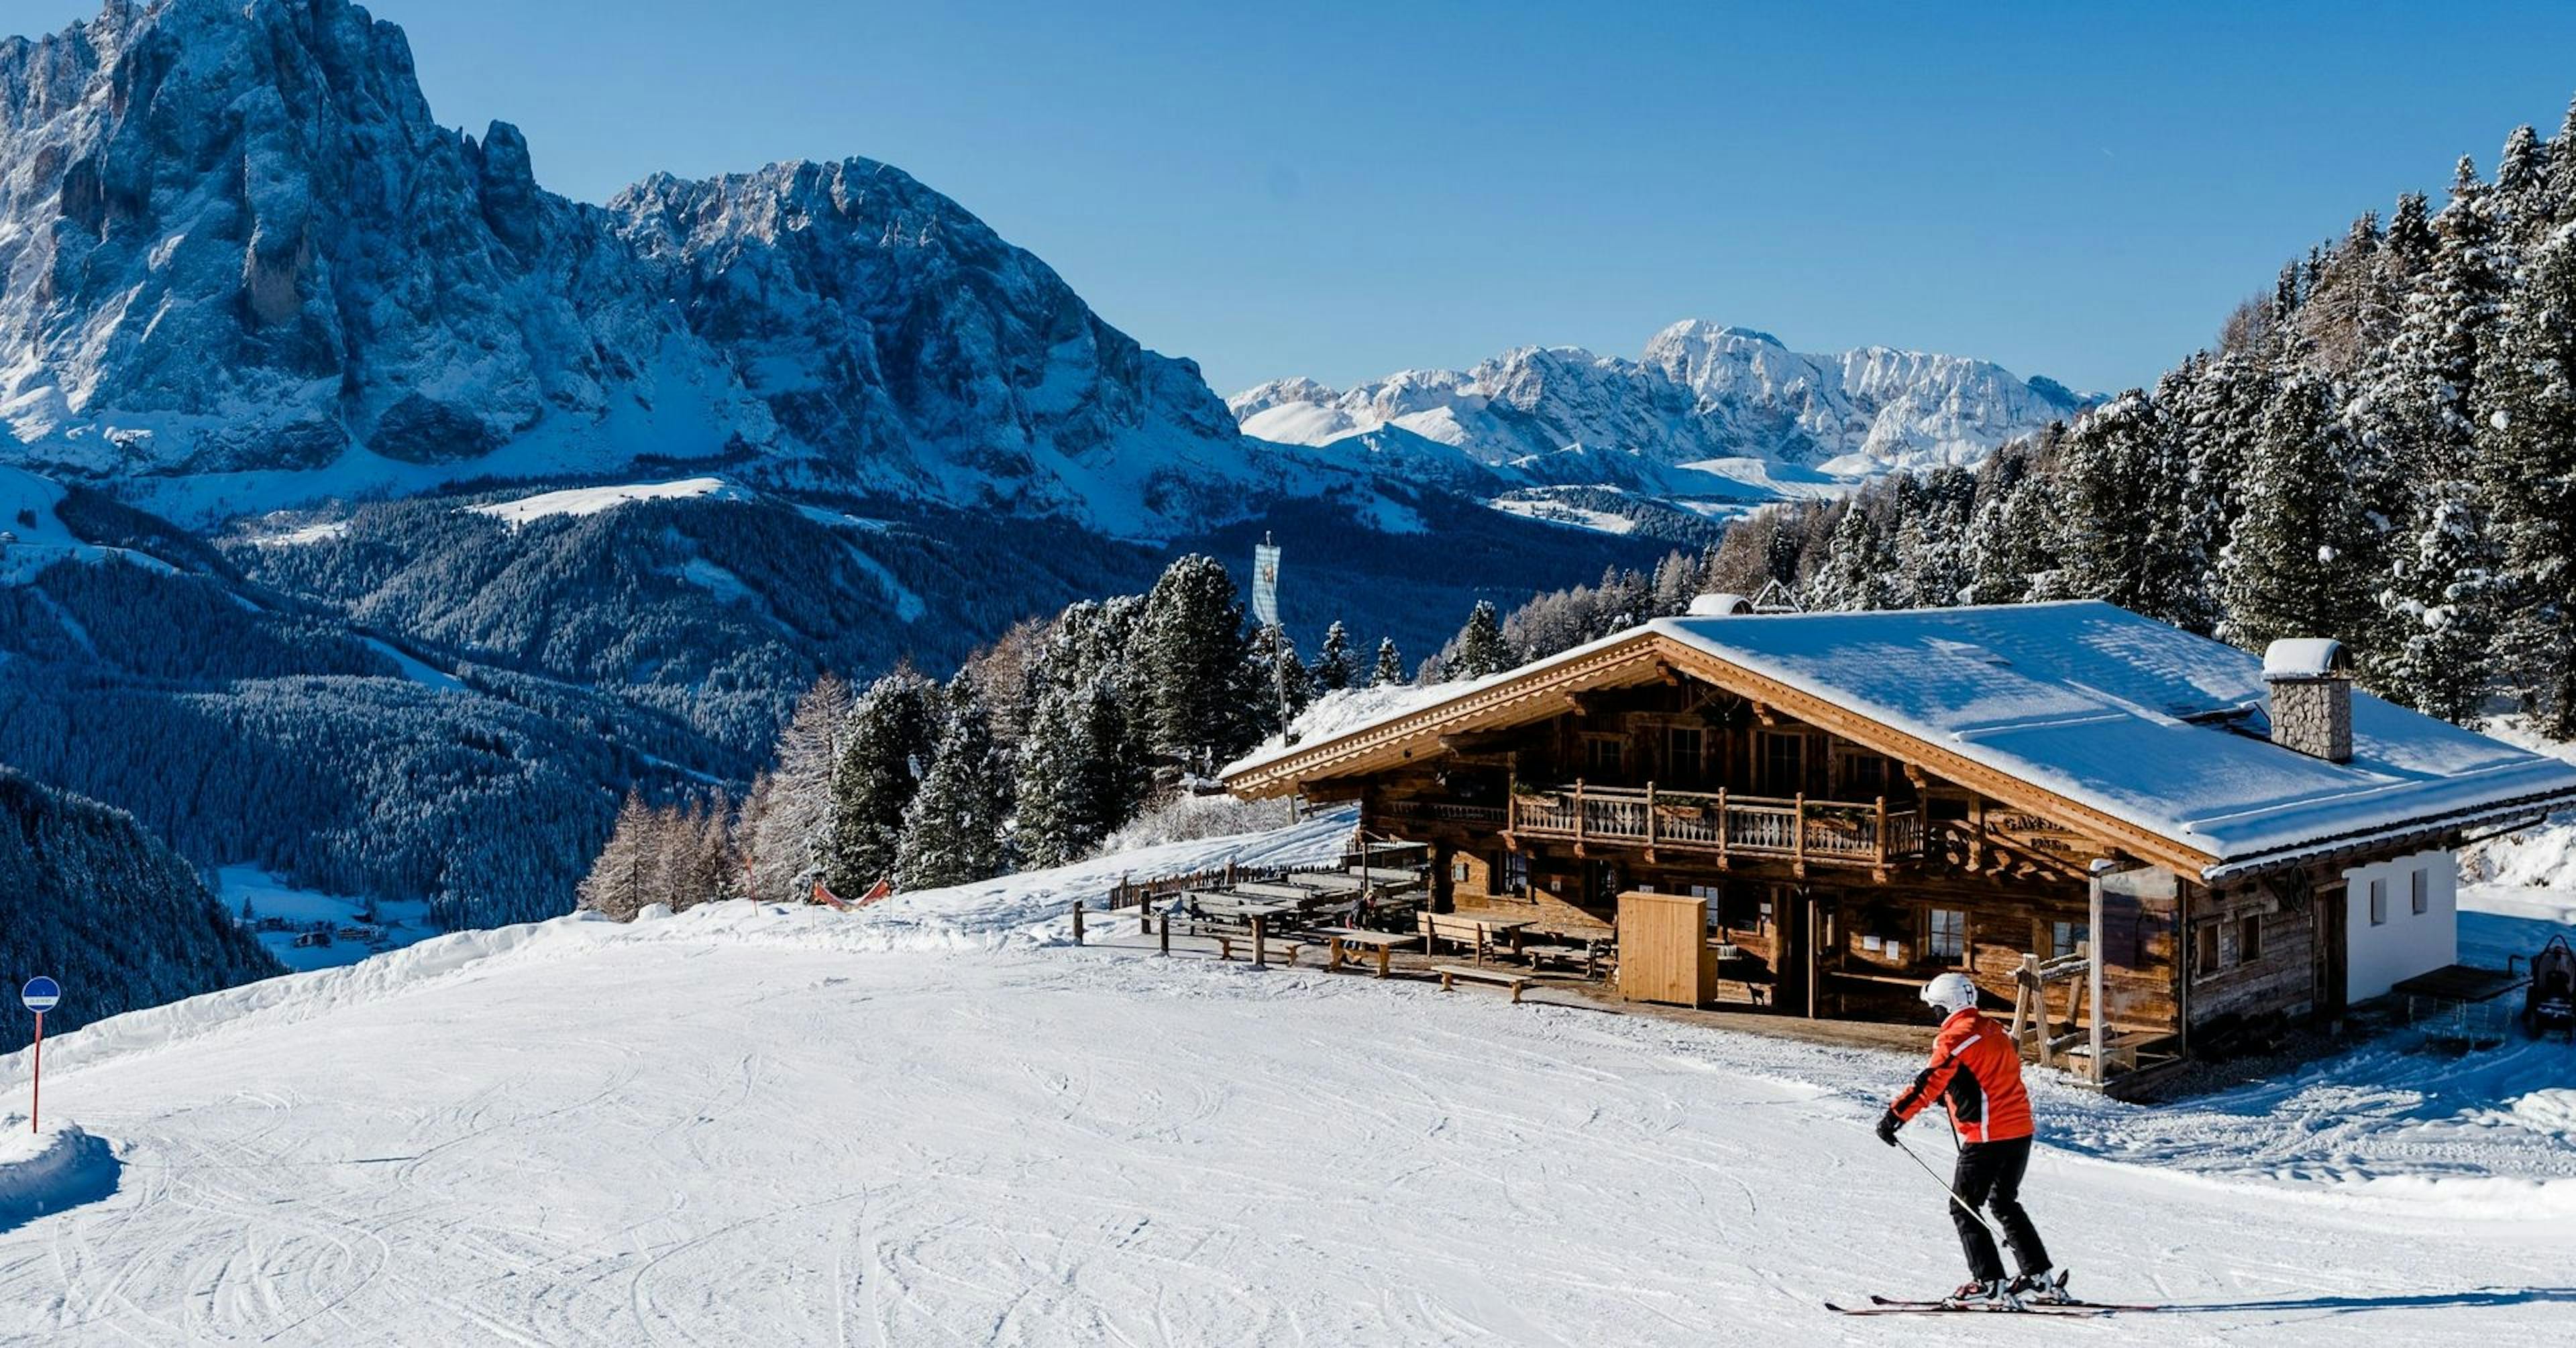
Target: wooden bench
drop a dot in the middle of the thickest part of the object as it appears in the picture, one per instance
(1482, 973)
(1474, 932)
(1285, 947)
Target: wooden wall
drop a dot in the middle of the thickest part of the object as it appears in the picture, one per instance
(2282, 978)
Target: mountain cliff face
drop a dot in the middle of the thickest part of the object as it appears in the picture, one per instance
(1699, 392)
(238, 253)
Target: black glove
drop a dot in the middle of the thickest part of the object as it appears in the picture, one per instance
(1888, 1123)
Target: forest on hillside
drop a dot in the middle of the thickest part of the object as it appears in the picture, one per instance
(2380, 448)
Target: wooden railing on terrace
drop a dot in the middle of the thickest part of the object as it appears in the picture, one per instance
(1830, 832)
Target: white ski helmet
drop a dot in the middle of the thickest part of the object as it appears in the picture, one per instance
(1952, 993)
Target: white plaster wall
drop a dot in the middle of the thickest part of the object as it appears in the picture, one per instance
(2409, 943)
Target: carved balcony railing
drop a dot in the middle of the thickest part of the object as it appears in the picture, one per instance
(1796, 829)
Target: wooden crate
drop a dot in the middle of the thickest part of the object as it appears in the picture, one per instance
(1663, 949)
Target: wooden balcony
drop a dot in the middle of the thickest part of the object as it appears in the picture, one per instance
(1798, 830)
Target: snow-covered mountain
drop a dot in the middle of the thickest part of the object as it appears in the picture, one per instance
(1701, 395)
(242, 265)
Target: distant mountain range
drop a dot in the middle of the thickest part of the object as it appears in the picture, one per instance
(1712, 415)
(378, 517)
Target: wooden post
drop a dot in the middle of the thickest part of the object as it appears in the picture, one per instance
(2093, 968)
(1167, 933)
(1144, 919)
(1721, 828)
(1882, 830)
(2022, 982)
(1798, 835)
(1650, 817)
(1815, 944)
(1077, 921)
(1578, 815)
(1259, 959)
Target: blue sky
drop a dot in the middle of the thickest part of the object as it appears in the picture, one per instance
(1344, 190)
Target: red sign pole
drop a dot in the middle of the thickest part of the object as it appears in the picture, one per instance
(36, 1081)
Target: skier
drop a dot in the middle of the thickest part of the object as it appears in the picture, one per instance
(1976, 1073)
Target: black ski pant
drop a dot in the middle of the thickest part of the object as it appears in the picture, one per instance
(1989, 1176)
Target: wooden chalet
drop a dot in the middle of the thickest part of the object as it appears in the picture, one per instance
(1847, 804)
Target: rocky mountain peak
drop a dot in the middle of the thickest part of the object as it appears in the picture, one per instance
(235, 242)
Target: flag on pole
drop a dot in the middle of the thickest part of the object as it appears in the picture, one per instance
(1265, 584)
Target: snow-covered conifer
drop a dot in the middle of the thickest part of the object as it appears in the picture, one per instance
(952, 831)
(1390, 664)
(1332, 670)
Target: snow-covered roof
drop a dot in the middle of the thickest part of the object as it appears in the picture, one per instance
(2147, 724)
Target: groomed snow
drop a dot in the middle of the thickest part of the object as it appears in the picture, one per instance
(937, 1122)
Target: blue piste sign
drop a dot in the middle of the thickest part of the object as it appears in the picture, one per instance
(41, 994)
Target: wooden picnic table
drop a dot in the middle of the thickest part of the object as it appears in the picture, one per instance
(1241, 908)
(1385, 875)
(1268, 889)
(1384, 942)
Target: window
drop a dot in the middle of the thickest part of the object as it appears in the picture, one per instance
(1516, 872)
(1946, 934)
(2379, 903)
(1865, 774)
(2204, 950)
(2249, 940)
(2422, 898)
(1784, 764)
(1462, 872)
(1601, 756)
(1682, 754)
(2066, 938)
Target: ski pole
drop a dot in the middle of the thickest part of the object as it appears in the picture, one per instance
(1964, 1205)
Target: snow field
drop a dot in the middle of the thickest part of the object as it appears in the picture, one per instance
(934, 1121)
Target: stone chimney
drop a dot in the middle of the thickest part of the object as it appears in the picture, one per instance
(2311, 679)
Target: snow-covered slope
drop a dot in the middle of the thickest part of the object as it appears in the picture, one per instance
(243, 266)
(1700, 392)
(745, 1124)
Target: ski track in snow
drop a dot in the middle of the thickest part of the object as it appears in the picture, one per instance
(937, 1122)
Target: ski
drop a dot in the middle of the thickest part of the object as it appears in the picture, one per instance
(2068, 1310)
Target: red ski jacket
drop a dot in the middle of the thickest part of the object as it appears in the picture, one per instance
(1976, 1074)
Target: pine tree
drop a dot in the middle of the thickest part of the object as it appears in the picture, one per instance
(1276, 675)
(2444, 605)
(1192, 656)
(2290, 570)
(1070, 794)
(1480, 649)
(2526, 457)
(1332, 670)
(1390, 664)
(2123, 489)
(788, 821)
(885, 749)
(616, 885)
(2011, 545)
(1859, 566)
(952, 831)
